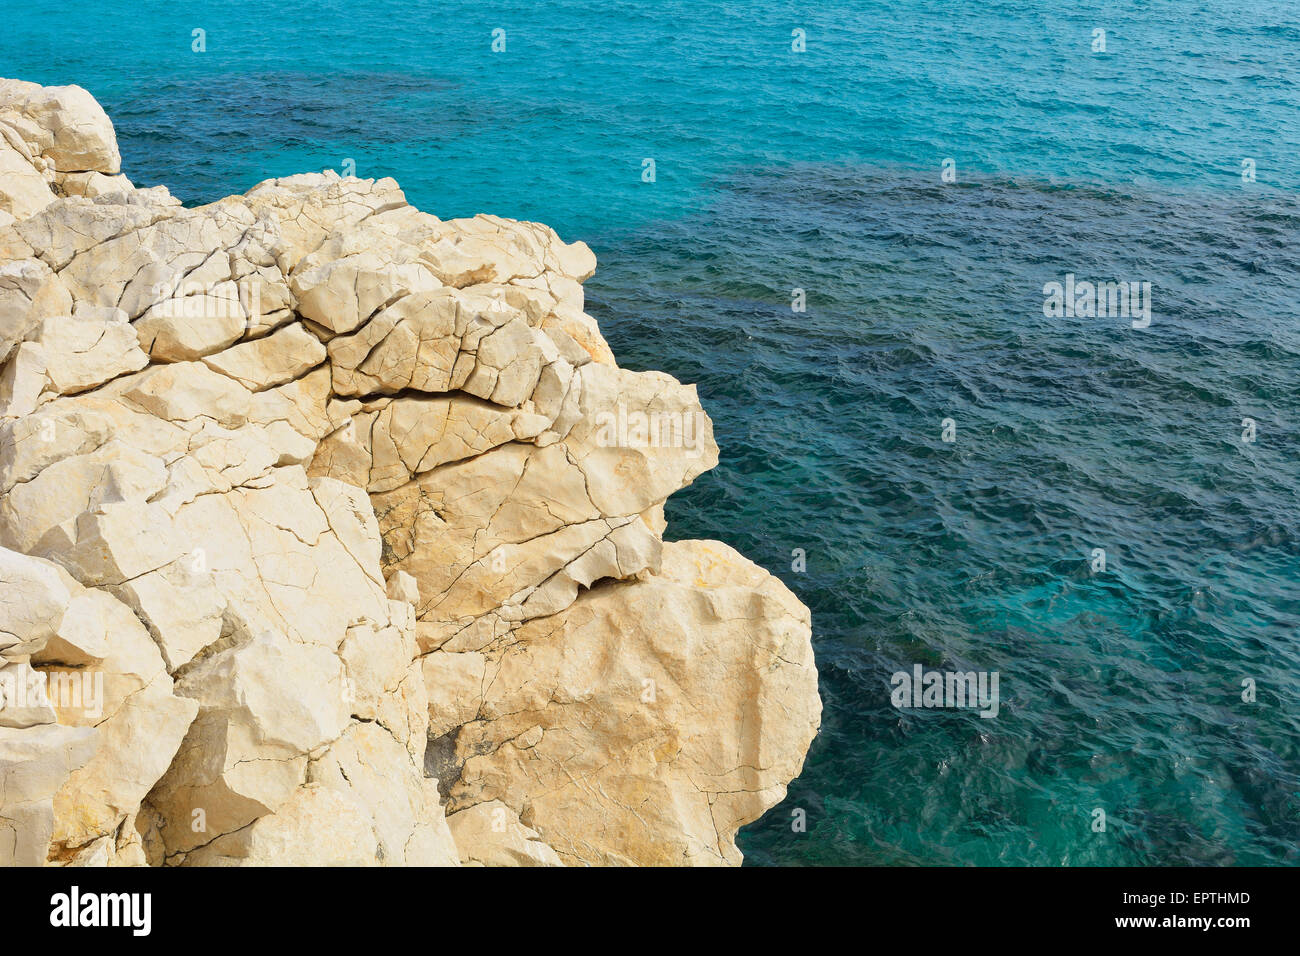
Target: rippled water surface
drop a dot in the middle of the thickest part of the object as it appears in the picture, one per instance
(820, 170)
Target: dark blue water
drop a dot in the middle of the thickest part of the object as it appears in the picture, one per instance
(821, 170)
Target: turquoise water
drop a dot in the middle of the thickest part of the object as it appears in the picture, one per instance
(820, 170)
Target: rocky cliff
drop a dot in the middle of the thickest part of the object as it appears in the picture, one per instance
(332, 533)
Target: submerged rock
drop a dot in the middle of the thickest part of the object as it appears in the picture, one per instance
(332, 533)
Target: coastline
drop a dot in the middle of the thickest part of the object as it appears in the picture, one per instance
(324, 487)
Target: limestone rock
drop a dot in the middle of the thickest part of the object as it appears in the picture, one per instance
(35, 599)
(655, 748)
(54, 141)
(262, 708)
(377, 772)
(316, 826)
(280, 357)
(63, 124)
(22, 381)
(23, 190)
(490, 834)
(331, 533)
(103, 671)
(34, 763)
(29, 291)
(88, 348)
(24, 698)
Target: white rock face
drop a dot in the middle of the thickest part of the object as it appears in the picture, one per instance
(332, 533)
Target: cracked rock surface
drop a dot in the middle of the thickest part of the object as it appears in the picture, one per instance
(331, 533)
